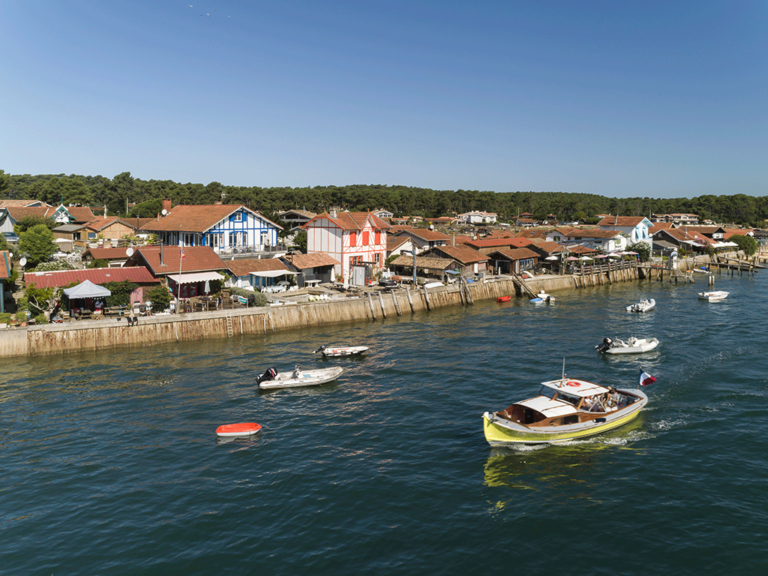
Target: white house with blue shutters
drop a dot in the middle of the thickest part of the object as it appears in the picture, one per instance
(225, 228)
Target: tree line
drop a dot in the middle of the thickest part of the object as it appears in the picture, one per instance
(145, 197)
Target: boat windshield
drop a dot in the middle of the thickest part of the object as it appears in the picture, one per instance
(562, 396)
(548, 392)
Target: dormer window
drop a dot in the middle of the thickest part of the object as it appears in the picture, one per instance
(238, 216)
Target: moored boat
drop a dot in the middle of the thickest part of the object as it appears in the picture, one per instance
(642, 306)
(503, 299)
(545, 297)
(334, 351)
(713, 296)
(239, 430)
(272, 379)
(631, 346)
(564, 410)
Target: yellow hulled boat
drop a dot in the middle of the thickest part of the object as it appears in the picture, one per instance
(565, 409)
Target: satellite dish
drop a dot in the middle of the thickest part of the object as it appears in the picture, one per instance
(23, 261)
(129, 252)
(164, 212)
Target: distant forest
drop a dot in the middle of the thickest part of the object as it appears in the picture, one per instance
(98, 191)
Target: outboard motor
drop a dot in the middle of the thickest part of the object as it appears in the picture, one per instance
(270, 374)
(319, 350)
(607, 343)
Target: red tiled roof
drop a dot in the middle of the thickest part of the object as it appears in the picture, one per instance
(196, 259)
(580, 249)
(592, 233)
(5, 264)
(58, 279)
(549, 247)
(352, 220)
(196, 218)
(532, 233)
(106, 253)
(311, 260)
(245, 266)
(518, 253)
(79, 213)
(463, 254)
(493, 242)
(101, 223)
(424, 234)
(623, 221)
(8, 202)
(136, 223)
(394, 242)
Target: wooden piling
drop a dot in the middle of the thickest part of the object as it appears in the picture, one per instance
(381, 301)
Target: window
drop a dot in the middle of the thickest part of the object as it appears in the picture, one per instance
(238, 217)
(377, 258)
(353, 238)
(366, 237)
(378, 237)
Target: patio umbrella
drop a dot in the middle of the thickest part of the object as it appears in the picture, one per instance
(207, 288)
(614, 255)
(631, 253)
(586, 258)
(552, 258)
(601, 256)
(571, 258)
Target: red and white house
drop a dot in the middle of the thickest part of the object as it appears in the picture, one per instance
(352, 238)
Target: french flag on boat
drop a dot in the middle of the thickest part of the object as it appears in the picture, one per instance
(645, 378)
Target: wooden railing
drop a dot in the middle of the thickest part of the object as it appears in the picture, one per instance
(602, 268)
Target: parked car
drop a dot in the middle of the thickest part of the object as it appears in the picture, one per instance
(388, 283)
(11, 237)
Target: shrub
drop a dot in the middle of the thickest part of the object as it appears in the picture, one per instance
(41, 319)
(121, 293)
(746, 243)
(160, 298)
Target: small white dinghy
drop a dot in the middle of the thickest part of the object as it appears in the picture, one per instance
(272, 379)
(642, 306)
(713, 296)
(631, 346)
(545, 297)
(335, 351)
(240, 430)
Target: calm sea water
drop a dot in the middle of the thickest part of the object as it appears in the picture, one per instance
(109, 463)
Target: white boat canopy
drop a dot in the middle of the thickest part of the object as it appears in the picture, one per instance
(195, 277)
(575, 387)
(550, 408)
(87, 289)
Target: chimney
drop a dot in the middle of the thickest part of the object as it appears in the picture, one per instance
(333, 213)
(161, 254)
(167, 205)
(453, 239)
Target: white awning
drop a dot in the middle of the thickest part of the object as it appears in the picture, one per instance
(273, 273)
(195, 277)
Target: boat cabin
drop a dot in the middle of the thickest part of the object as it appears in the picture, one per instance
(566, 401)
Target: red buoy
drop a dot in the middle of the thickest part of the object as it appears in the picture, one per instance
(238, 430)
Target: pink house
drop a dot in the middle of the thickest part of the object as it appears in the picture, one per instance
(352, 238)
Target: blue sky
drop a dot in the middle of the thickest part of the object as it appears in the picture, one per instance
(646, 98)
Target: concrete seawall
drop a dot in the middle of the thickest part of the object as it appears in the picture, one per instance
(109, 333)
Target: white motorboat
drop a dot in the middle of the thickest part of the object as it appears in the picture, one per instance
(631, 346)
(335, 351)
(272, 379)
(642, 306)
(713, 296)
(545, 297)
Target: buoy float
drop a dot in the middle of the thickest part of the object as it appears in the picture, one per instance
(238, 430)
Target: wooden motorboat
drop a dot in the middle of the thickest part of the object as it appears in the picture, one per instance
(272, 379)
(564, 410)
(631, 346)
(334, 351)
(713, 296)
(503, 299)
(642, 306)
(240, 430)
